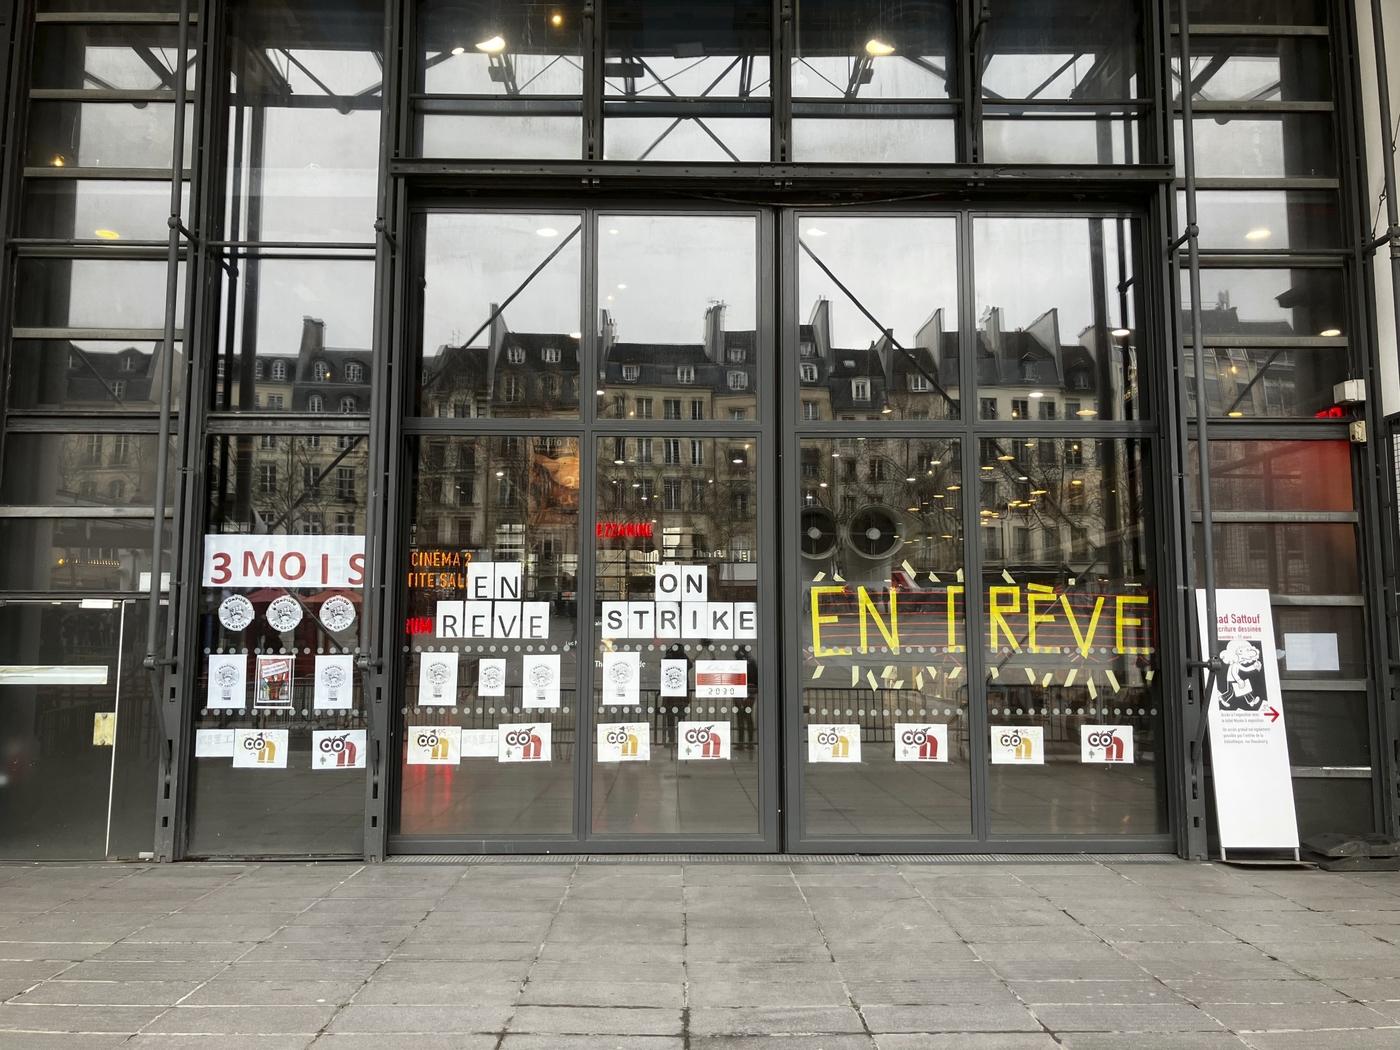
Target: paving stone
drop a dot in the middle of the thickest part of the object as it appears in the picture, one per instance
(978, 1017)
(1136, 1018)
(784, 1042)
(775, 1021)
(969, 1041)
(108, 993)
(553, 992)
(243, 1020)
(1290, 1017)
(94, 1019)
(1094, 993)
(224, 991)
(573, 1020)
(420, 1019)
(592, 1042)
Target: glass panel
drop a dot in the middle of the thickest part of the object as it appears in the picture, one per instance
(718, 138)
(501, 316)
(1062, 49)
(873, 49)
(1320, 642)
(1331, 805)
(305, 96)
(297, 336)
(1071, 610)
(54, 784)
(1091, 139)
(1256, 383)
(1256, 68)
(1298, 219)
(123, 6)
(123, 57)
(92, 293)
(1054, 319)
(81, 470)
(92, 555)
(1262, 145)
(493, 555)
(280, 741)
(53, 374)
(505, 50)
(500, 137)
(104, 134)
(1273, 302)
(884, 696)
(680, 699)
(104, 209)
(715, 55)
(1327, 728)
(883, 141)
(678, 325)
(1295, 559)
(1275, 475)
(880, 298)
(1256, 12)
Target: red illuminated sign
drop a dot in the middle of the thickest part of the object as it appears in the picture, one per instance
(620, 530)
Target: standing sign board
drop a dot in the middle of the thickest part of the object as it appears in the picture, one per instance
(1248, 745)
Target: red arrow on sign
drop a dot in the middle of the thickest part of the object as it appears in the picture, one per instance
(1273, 714)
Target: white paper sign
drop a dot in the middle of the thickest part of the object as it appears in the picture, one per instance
(213, 743)
(338, 749)
(260, 749)
(228, 682)
(491, 677)
(624, 742)
(702, 741)
(1106, 744)
(434, 745)
(318, 562)
(675, 678)
(523, 742)
(622, 678)
(437, 680)
(1311, 652)
(833, 742)
(479, 743)
(335, 683)
(539, 678)
(920, 742)
(721, 679)
(1018, 746)
(1248, 745)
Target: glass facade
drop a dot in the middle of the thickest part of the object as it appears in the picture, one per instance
(450, 426)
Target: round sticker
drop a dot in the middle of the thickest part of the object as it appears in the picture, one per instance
(235, 612)
(337, 613)
(284, 613)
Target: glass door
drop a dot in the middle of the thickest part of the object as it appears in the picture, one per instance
(587, 625)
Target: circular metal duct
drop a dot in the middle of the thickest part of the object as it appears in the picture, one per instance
(820, 533)
(874, 532)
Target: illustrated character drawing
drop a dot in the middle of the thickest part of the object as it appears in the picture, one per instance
(1243, 687)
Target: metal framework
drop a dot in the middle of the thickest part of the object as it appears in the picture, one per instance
(777, 190)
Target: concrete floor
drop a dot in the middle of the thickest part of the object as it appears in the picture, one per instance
(662, 955)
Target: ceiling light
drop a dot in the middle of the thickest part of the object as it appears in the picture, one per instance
(57, 161)
(1234, 413)
(954, 488)
(1087, 412)
(108, 235)
(812, 231)
(886, 410)
(989, 466)
(613, 231)
(1121, 333)
(1037, 393)
(546, 231)
(459, 50)
(556, 20)
(913, 510)
(1259, 233)
(492, 46)
(575, 335)
(909, 479)
(500, 473)
(822, 484)
(1006, 457)
(622, 287)
(877, 48)
(1076, 481)
(1330, 333)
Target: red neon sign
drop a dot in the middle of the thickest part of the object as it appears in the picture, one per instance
(623, 530)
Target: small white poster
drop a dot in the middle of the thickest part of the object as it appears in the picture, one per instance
(1099, 744)
(335, 683)
(1311, 652)
(1018, 746)
(228, 681)
(920, 742)
(702, 741)
(491, 677)
(523, 742)
(338, 749)
(540, 680)
(1248, 744)
(675, 678)
(833, 742)
(721, 679)
(624, 742)
(274, 683)
(622, 676)
(437, 680)
(213, 743)
(479, 743)
(260, 749)
(434, 745)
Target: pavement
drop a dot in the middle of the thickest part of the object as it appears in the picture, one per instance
(663, 955)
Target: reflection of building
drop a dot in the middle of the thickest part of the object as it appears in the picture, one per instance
(515, 374)
(317, 378)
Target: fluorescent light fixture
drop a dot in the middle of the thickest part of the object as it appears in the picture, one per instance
(492, 45)
(1330, 333)
(1036, 394)
(1259, 233)
(812, 231)
(1121, 333)
(877, 48)
(547, 231)
(107, 235)
(459, 50)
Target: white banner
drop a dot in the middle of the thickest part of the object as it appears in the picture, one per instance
(1248, 745)
(315, 562)
(335, 683)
